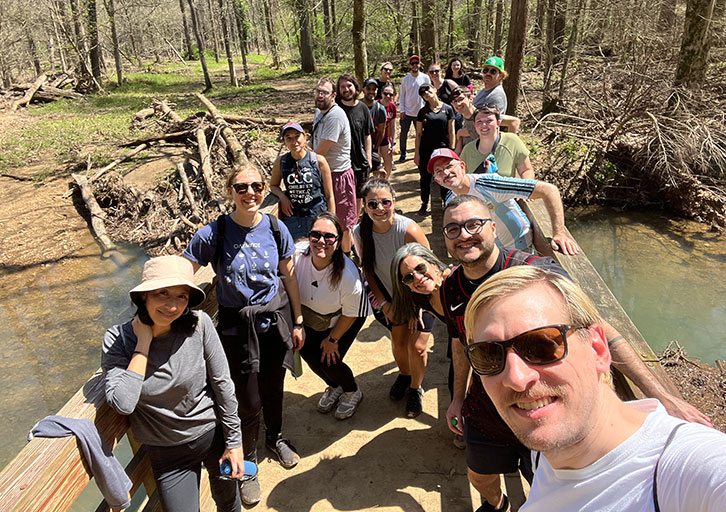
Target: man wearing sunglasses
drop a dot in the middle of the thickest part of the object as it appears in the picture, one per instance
(409, 100)
(493, 73)
(540, 350)
(500, 192)
(492, 448)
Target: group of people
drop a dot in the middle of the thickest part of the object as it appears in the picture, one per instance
(195, 391)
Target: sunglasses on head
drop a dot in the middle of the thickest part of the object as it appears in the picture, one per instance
(452, 230)
(540, 346)
(329, 238)
(241, 188)
(373, 203)
(419, 269)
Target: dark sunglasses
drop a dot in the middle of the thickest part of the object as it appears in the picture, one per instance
(373, 203)
(452, 230)
(434, 71)
(388, 94)
(329, 238)
(241, 188)
(387, 69)
(416, 63)
(419, 269)
(491, 71)
(543, 345)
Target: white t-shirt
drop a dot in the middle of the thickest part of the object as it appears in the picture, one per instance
(691, 472)
(317, 293)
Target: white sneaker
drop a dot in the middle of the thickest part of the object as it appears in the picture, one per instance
(329, 399)
(349, 403)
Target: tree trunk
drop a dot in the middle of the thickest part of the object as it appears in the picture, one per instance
(334, 23)
(227, 45)
(95, 49)
(111, 10)
(475, 33)
(497, 49)
(696, 43)
(574, 32)
(515, 53)
(187, 35)
(33, 50)
(487, 30)
(81, 45)
(549, 58)
(360, 53)
(200, 44)
(428, 34)
(307, 54)
(270, 26)
(328, 28)
(560, 21)
(243, 30)
(667, 16)
(537, 31)
(450, 31)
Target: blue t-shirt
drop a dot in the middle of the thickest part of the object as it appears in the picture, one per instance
(250, 259)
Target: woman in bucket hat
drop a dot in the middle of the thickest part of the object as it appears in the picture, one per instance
(307, 179)
(167, 371)
(260, 321)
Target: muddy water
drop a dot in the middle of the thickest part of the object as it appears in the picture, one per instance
(668, 274)
(52, 319)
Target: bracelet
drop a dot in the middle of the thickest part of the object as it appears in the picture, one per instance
(298, 324)
(616, 338)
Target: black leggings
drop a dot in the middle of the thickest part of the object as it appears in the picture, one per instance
(177, 471)
(338, 374)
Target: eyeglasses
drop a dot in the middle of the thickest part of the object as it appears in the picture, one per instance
(544, 345)
(452, 231)
(388, 94)
(447, 168)
(373, 204)
(329, 238)
(321, 92)
(257, 187)
(387, 69)
(491, 71)
(419, 269)
(434, 71)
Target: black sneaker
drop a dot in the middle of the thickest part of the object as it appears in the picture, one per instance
(423, 210)
(488, 507)
(414, 402)
(398, 390)
(285, 451)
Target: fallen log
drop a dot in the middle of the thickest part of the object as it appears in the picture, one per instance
(97, 224)
(187, 188)
(25, 100)
(143, 114)
(238, 154)
(233, 118)
(154, 138)
(205, 163)
(138, 149)
(167, 111)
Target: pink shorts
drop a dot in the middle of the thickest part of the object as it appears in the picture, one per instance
(344, 192)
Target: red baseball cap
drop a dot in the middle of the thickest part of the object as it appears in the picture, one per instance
(441, 153)
(414, 58)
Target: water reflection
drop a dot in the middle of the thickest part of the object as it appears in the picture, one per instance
(52, 319)
(668, 275)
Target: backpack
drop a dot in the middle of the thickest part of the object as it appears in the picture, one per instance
(221, 229)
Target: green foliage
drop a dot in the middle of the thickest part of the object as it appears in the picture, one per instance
(607, 171)
(573, 148)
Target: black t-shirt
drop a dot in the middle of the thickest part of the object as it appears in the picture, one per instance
(361, 124)
(479, 411)
(435, 129)
(444, 92)
(381, 84)
(463, 80)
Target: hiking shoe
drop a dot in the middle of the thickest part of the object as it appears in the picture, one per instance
(286, 453)
(414, 402)
(398, 390)
(459, 442)
(423, 210)
(329, 399)
(402, 159)
(250, 491)
(488, 507)
(349, 403)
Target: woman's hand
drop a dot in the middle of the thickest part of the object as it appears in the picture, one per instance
(330, 352)
(286, 206)
(414, 323)
(143, 335)
(236, 460)
(388, 312)
(298, 337)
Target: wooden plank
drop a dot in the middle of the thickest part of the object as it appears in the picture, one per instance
(582, 271)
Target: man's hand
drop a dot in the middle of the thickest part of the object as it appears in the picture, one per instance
(565, 244)
(681, 409)
(454, 412)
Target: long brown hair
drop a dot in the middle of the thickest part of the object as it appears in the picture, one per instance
(338, 261)
(368, 258)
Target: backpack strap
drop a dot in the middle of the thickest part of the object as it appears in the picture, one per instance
(655, 471)
(277, 235)
(536, 460)
(219, 248)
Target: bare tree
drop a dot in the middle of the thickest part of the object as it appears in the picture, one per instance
(240, 10)
(515, 52)
(696, 43)
(360, 52)
(307, 55)
(429, 51)
(497, 48)
(227, 45)
(111, 11)
(200, 44)
(413, 38)
(475, 33)
(328, 29)
(187, 35)
(271, 34)
(95, 48)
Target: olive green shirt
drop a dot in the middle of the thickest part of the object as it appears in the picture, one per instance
(509, 154)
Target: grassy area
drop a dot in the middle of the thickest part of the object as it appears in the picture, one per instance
(67, 131)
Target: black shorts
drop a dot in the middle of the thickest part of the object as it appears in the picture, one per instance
(360, 178)
(489, 457)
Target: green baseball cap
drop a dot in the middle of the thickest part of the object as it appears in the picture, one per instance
(495, 62)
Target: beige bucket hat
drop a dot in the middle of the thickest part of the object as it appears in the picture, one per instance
(166, 271)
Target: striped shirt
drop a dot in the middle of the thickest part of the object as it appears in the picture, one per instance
(513, 228)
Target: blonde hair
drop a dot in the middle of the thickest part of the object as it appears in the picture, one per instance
(237, 169)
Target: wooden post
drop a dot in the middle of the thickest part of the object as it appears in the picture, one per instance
(97, 224)
(238, 154)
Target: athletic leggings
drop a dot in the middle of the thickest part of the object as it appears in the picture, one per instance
(177, 470)
(339, 373)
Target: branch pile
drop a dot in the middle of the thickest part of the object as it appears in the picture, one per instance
(164, 218)
(43, 90)
(629, 139)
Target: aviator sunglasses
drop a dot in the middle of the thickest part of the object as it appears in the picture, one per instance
(373, 203)
(540, 346)
(419, 269)
(491, 71)
(329, 238)
(241, 188)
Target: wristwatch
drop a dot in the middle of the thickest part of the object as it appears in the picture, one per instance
(332, 340)
(296, 324)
